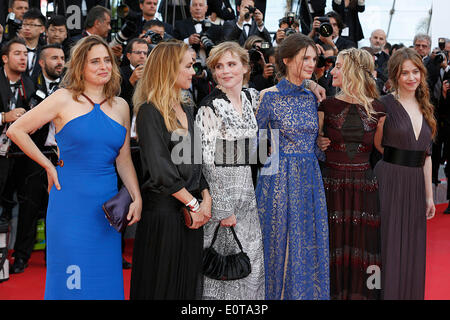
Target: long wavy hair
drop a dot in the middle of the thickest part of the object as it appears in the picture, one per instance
(157, 85)
(358, 81)
(73, 80)
(395, 66)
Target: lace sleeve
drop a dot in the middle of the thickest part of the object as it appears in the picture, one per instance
(206, 121)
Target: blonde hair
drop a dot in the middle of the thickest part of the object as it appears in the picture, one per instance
(157, 85)
(358, 81)
(73, 80)
(395, 67)
(235, 49)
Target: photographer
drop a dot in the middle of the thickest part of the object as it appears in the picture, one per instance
(220, 11)
(154, 32)
(349, 11)
(33, 195)
(33, 28)
(250, 22)
(201, 35)
(286, 26)
(325, 63)
(136, 51)
(192, 29)
(98, 22)
(435, 65)
(14, 102)
(328, 30)
(262, 63)
(148, 11)
(16, 10)
(57, 33)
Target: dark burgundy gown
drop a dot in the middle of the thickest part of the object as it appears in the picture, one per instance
(403, 208)
(352, 198)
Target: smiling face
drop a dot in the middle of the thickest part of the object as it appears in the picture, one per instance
(186, 72)
(229, 71)
(97, 69)
(409, 78)
(302, 66)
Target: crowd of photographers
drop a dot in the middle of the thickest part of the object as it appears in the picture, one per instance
(34, 49)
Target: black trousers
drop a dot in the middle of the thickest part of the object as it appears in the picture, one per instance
(441, 151)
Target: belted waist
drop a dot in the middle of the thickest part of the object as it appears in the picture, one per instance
(407, 158)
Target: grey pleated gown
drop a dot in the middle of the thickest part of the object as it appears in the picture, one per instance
(403, 208)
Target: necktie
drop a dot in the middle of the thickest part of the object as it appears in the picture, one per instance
(31, 50)
(15, 85)
(52, 86)
(247, 28)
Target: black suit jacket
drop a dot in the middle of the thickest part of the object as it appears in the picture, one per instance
(40, 136)
(37, 67)
(381, 66)
(351, 20)
(185, 28)
(342, 43)
(221, 8)
(140, 25)
(306, 19)
(5, 93)
(126, 88)
(234, 33)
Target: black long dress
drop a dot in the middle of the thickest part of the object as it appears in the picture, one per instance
(403, 208)
(167, 256)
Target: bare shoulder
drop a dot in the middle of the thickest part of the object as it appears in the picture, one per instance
(122, 107)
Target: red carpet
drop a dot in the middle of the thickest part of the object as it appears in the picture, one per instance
(30, 284)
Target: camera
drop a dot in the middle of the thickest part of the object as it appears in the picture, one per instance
(198, 68)
(37, 98)
(251, 10)
(325, 29)
(129, 27)
(12, 26)
(155, 38)
(440, 56)
(322, 61)
(255, 52)
(208, 44)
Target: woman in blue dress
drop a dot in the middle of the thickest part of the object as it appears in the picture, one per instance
(84, 259)
(290, 194)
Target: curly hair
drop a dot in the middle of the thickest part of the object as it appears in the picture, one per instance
(358, 81)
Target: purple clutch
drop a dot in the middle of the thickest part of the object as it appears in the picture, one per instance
(116, 209)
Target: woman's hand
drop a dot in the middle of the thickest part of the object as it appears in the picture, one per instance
(52, 177)
(205, 209)
(134, 213)
(431, 209)
(318, 91)
(228, 222)
(323, 142)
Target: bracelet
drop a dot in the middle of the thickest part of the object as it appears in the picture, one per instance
(193, 205)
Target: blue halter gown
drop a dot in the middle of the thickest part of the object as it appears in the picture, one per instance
(84, 259)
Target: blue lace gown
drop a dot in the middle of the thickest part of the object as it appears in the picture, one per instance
(84, 259)
(291, 198)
